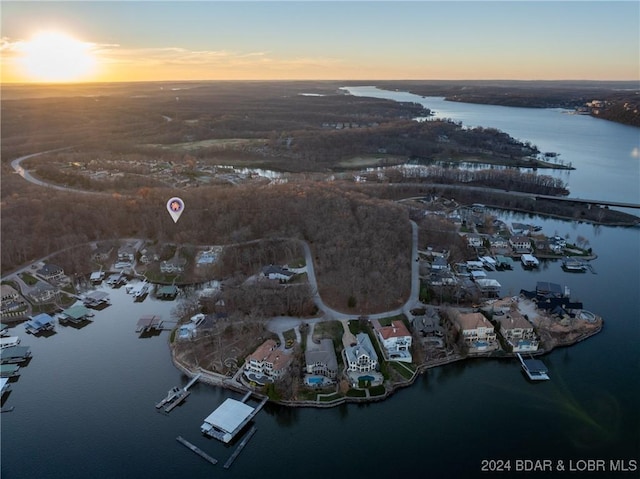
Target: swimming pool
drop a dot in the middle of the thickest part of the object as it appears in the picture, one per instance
(315, 380)
(366, 378)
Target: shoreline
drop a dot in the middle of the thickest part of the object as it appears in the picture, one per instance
(215, 379)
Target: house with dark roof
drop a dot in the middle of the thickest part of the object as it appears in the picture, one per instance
(51, 272)
(321, 359)
(277, 272)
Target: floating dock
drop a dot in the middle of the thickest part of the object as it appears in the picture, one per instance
(197, 450)
(176, 395)
(240, 447)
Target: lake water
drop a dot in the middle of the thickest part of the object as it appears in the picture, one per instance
(84, 405)
(604, 153)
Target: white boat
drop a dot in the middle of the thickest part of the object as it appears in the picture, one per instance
(529, 261)
(534, 368)
(9, 342)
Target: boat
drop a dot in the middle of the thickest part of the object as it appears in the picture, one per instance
(534, 368)
(574, 265)
(173, 394)
(140, 291)
(529, 261)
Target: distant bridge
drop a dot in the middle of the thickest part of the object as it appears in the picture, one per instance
(619, 204)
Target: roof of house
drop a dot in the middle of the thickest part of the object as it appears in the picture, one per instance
(469, 321)
(513, 320)
(363, 346)
(397, 329)
(520, 239)
(271, 269)
(49, 269)
(323, 353)
(262, 352)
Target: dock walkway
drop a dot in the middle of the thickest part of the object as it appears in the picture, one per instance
(240, 447)
(197, 450)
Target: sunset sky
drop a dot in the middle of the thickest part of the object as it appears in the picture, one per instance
(209, 40)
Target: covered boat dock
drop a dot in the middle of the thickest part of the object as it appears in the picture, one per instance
(75, 314)
(229, 418)
(148, 323)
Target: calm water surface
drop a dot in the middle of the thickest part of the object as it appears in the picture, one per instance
(84, 405)
(605, 154)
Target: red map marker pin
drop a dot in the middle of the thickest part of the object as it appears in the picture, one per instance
(175, 207)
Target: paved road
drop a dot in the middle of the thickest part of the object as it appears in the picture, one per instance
(280, 324)
(16, 165)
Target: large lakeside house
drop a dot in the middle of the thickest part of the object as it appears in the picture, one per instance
(395, 339)
(361, 357)
(518, 332)
(267, 361)
(320, 359)
(477, 332)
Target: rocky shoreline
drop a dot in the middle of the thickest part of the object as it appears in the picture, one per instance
(235, 384)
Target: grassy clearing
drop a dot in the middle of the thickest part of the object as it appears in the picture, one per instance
(405, 372)
(28, 279)
(216, 142)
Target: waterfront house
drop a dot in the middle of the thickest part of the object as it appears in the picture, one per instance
(42, 292)
(173, 266)
(520, 243)
(321, 359)
(102, 253)
(474, 240)
(40, 323)
(267, 360)
(488, 287)
(475, 328)
(361, 357)
(51, 272)
(517, 331)
(498, 242)
(395, 339)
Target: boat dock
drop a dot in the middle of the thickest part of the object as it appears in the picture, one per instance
(197, 450)
(240, 447)
(534, 368)
(176, 395)
(15, 354)
(225, 422)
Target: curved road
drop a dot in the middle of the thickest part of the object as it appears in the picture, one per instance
(16, 165)
(280, 324)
